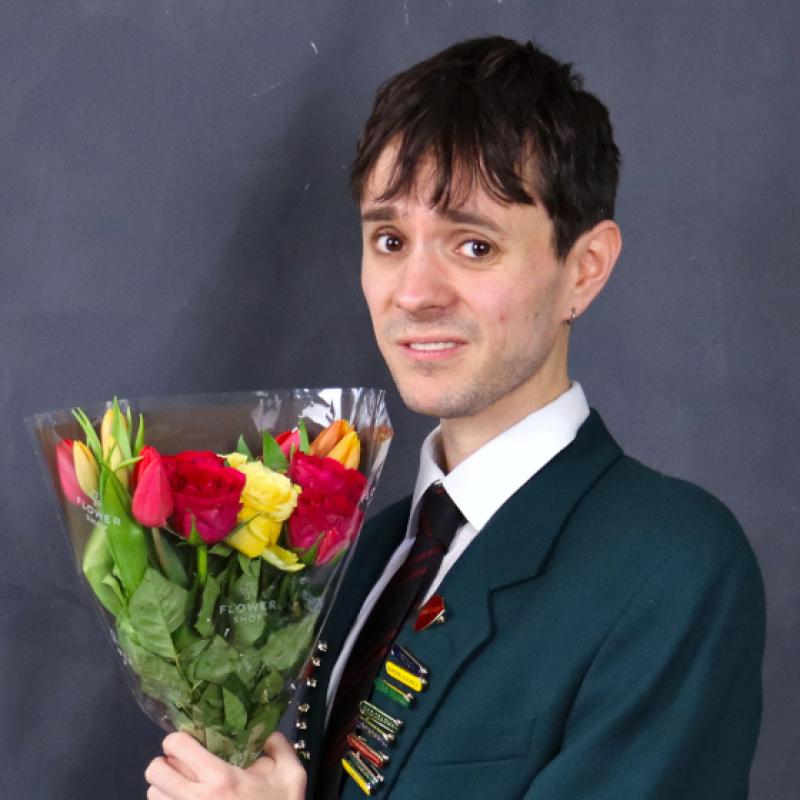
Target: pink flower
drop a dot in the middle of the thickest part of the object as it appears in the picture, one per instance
(327, 506)
(65, 464)
(153, 503)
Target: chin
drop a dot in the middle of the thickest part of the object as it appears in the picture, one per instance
(443, 405)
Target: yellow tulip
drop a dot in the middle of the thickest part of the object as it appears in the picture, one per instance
(348, 451)
(106, 427)
(330, 437)
(86, 470)
(112, 452)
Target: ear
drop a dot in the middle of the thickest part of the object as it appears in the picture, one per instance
(590, 263)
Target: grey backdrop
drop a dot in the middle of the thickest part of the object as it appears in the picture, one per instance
(174, 218)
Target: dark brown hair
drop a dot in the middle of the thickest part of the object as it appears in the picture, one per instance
(496, 113)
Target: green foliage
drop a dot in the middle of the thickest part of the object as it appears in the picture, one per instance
(243, 449)
(271, 454)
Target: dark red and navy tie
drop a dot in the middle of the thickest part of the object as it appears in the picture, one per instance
(439, 519)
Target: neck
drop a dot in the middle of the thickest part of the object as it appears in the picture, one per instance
(462, 436)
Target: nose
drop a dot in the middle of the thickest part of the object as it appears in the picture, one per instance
(423, 283)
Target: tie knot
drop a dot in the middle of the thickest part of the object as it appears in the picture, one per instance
(439, 517)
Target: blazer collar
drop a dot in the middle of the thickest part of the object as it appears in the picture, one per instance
(513, 546)
(520, 536)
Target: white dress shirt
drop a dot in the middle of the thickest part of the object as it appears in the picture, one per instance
(479, 486)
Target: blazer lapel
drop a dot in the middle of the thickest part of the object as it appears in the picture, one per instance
(378, 540)
(513, 546)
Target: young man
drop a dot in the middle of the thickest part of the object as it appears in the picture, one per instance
(604, 623)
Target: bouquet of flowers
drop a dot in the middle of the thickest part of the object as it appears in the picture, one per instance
(215, 567)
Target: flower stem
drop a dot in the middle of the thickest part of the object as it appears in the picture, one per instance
(202, 564)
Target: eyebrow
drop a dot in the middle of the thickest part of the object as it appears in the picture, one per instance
(388, 213)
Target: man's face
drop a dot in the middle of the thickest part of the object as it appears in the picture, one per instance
(468, 304)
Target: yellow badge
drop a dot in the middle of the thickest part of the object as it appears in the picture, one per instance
(405, 677)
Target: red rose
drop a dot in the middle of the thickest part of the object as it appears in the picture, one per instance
(327, 505)
(204, 490)
(152, 503)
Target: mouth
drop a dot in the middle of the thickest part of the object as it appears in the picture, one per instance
(431, 348)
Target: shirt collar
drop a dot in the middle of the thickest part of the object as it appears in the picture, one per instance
(483, 482)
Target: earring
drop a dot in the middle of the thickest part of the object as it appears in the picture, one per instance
(571, 319)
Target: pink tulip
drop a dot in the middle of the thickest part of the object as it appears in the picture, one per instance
(288, 440)
(66, 474)
(152, 501)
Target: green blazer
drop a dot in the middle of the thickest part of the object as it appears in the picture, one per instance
(603, 641)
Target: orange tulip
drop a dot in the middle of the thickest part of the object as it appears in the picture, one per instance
(348, 451)
(330, 437)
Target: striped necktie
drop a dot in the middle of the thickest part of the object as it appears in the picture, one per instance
(439, 519)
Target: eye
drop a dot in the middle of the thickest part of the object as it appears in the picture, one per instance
(388, 243)
(476, 248)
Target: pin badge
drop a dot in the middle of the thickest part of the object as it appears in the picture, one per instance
(413, 682)
(431, 613)
(360, 781)
(378, 717)
(368, 772)
(374, 733)
(375, 757)
(405, 658)
(394, 693)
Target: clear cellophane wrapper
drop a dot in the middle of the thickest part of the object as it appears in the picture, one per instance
(215, 654)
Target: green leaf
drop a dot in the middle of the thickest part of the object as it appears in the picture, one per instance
(217, 662)
(235, 712)
(249, 566)
(243, 449)
(247, 614)
(139, 443)
(157, 608)
(205, 616)
(168, 559)
(210, 706)
(271, 454)
(262, 723)
(305, 447)
(286, 647)
(247, 670)
(309, 556)
(188, 657)
(219, 744)
(120, 431)
(220, 549)
(92, 439)
(269, 688)
(159, 678)
(97, 565)
(125, 538)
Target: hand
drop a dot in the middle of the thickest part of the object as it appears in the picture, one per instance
(187, 771)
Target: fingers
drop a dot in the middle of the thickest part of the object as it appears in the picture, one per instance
(183, 769)
(278, 748)
(166, 781)
(184, 748)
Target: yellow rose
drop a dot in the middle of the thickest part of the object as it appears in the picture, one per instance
(235, 459)
(267, 492)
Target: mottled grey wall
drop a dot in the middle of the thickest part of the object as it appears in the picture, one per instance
(174, 218)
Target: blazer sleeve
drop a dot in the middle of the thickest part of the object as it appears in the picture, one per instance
(670, 705)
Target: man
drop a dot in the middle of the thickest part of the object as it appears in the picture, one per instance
(603, 623)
